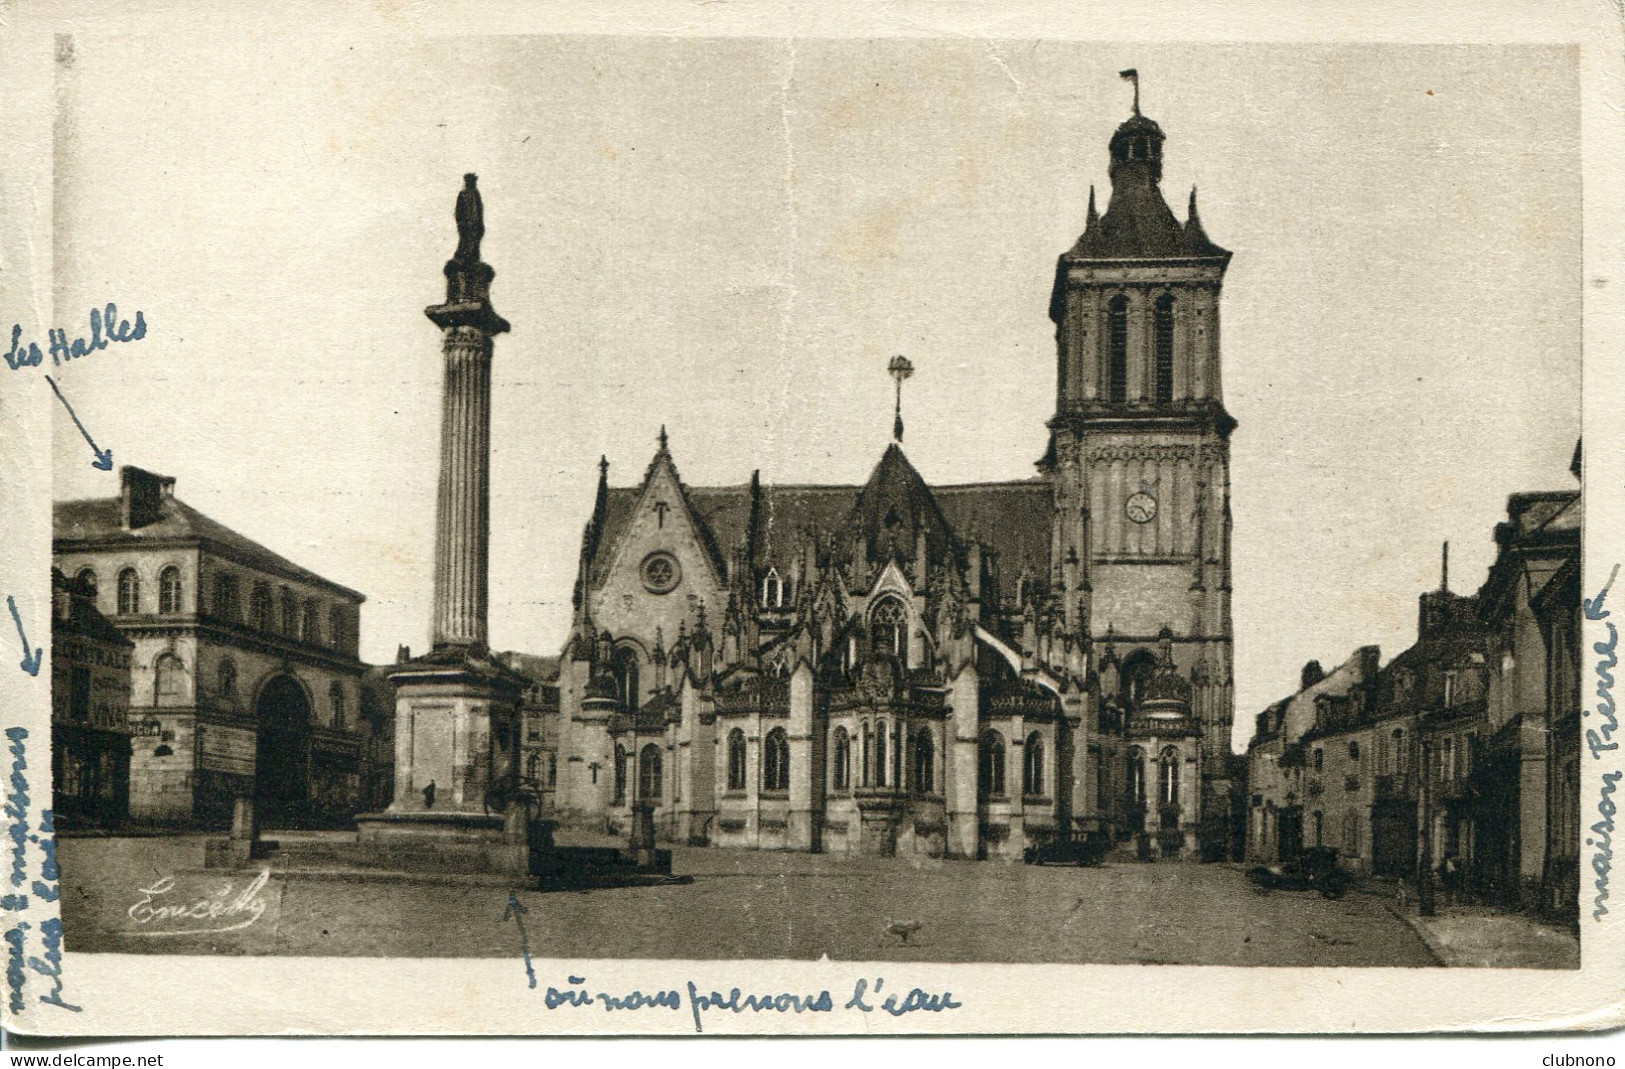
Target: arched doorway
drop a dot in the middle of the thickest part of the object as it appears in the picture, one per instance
(282, 754)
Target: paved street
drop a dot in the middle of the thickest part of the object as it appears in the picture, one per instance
(741, 904)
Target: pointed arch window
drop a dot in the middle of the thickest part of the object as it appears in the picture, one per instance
(776, 761)
(842, 759)
(626, 678)
(649, 774)
(772, 590)
(1162, 337)
(888, 628)
(925, 762)
(1168, 779)
(990, 768)
(129, 592)
(1117, 349)
(736, 760)
(880, 754)
(868, 776)
(1032, 770)
(1136, 775)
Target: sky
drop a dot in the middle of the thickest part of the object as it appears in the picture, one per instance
(732, 237)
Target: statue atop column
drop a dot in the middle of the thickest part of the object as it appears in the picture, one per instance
(470, 216)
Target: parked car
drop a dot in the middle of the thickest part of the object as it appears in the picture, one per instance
(1314, 869)
(1079, 848)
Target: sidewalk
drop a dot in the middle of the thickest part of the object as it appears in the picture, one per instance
(1481, 937)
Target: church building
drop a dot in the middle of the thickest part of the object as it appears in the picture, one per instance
(960, 670)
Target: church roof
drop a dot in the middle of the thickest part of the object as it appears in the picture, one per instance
(893, 508)
(1013, 518)
(96, 523)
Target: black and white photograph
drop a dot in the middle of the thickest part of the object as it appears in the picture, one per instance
(580, 506)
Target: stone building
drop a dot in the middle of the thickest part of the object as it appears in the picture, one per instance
(244, 674)
(949, 670)
(90, 707)
(1530, 784)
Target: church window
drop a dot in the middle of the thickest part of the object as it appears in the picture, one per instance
(335, 700)
(169, 591)
(661, 573)
(867, 778)
(888, 628)
(626, 678)
(990, 769)
(649, 774)
(736, 760)
(620, 776)
(1117, 349)
(776, 761)
(1168, 784)
(129, 592)
(169, 686)
(772, 590)
(259, 607)
(311, 631)
(842, 758)
(925, 761)
(1136, 775)
(880, 754)
(227, 681)
(1162, 334)
(1032, 771)
(87, 580)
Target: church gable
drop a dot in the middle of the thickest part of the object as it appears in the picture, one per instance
(662, 564)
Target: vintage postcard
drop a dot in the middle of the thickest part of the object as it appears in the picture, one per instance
(688, 519)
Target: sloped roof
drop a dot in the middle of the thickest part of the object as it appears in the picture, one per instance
(97, 522)
(1012, 518)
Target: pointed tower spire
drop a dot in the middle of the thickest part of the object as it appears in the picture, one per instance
(663, 448)
(1093, 218)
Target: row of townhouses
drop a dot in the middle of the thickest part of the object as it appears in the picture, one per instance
(1460, 754)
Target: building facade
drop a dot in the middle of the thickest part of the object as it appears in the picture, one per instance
(1462, 754)
(949, 670)
(90, 709)
(244, 675)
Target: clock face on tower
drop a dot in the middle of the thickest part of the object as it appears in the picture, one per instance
(1141, 507)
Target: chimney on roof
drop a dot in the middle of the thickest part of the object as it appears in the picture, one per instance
(403, 654)
(142, 495)
(1312, 673)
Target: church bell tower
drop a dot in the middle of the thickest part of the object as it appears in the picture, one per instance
(1139, 455)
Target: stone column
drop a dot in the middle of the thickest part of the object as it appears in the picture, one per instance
(462, 514)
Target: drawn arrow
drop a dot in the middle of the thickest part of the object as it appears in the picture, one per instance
(104, 457)
(516, 910)
(31, 661)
